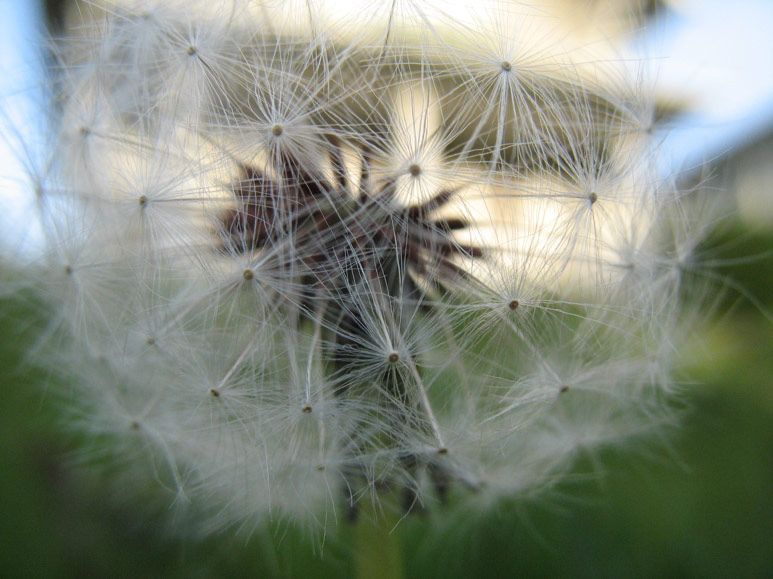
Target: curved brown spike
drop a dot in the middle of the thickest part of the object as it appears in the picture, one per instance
(253, 178)
(251, 173)
(438, 240)
(388, 191)
(469, 250)
(446, 247)
(419, 211)
(297, 178)
(452, 224)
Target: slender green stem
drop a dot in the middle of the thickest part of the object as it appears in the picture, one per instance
(377, 549)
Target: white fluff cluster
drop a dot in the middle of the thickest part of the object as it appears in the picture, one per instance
(297, 255)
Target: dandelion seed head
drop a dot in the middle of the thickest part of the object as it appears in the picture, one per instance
(290, 264)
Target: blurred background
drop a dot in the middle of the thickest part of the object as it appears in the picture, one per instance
(701, 505)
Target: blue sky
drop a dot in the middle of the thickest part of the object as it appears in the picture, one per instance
(20, 84)
(718, 57)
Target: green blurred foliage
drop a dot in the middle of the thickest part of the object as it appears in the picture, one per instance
(700, 504)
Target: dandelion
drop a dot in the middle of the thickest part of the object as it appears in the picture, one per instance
(294, 260)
